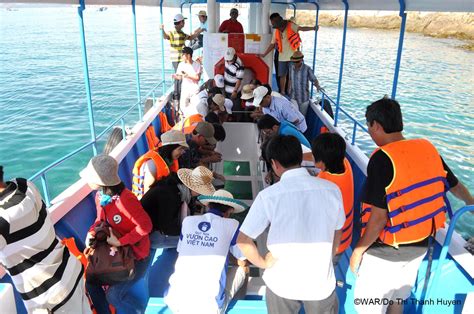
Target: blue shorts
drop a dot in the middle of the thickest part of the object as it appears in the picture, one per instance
(283, 67)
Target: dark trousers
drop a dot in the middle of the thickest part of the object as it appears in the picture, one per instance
(279, 305)
(177, 84)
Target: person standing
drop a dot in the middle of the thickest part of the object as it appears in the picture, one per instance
(305, 216)
(177, 40)
(189, 73)
(199, 41)
(232, 25)
(300, 74)
(47, 276)
(287, 40)
(404, 204)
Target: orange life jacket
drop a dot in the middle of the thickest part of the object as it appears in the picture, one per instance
(416, 197)
(165, 126)
(292, 36)
(152, 140)
(188, 125)
(345, 182)
(162, 170)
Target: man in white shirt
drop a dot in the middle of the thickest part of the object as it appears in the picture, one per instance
(305, 216)
(202, 283)
(189, 71)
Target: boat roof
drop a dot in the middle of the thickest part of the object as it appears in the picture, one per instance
(369, 5)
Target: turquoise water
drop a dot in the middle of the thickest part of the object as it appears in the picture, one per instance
(44, 110)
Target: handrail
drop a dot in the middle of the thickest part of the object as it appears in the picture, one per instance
(341, 67)
(403, 15)
(292, 4)
(324, 96)
(445, 248)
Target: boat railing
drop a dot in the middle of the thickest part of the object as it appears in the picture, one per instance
(154, 93)
(355, 123)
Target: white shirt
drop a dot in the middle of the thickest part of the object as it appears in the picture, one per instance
(303, 213)
(199, 279)
(188, 84)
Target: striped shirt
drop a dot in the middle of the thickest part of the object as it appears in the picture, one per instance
(234, 72)
(300, 79)
(42, 269)
(177, 41)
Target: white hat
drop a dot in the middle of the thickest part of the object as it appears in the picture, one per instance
(219, 80)
(101, 170)
(198, 180)
(174, 137)
(229, 54)
(258, 95)
(228, 104)
(225, 198)
(178, 18)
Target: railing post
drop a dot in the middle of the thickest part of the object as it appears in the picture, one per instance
(354, 133)
(85, 67)
(162, 50)
(341, 68)
(322, 101)
(122, 125)
(403, 15)
(44, 184)
(190, 18)
(137, 68)
(315, 44)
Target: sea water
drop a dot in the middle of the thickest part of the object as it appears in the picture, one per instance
(43, 105)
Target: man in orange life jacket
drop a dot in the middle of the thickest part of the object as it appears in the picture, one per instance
(287, 41)
(405, 203)
(329, 151)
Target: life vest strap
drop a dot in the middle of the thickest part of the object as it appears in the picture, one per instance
(347, 228)
(349, 213)
(416, 186)
(345, 239)
(365, 211)
(405, 208)
(395, 229)
(138, 177)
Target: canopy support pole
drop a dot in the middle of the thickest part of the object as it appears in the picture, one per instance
(162, 50)
(137, 68)
(315, 44)
(403, 15)
(341, 68)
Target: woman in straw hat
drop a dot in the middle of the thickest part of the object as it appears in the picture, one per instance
(168, 201)
(122, 211)
(196, 285)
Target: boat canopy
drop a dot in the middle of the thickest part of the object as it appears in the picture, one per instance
(370, 5)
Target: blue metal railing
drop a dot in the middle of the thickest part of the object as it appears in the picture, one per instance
(444, 250)
(341, 67)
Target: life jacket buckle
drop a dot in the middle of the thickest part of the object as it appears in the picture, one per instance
(399, 193)
(405, 225)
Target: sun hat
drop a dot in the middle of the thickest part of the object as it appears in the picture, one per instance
(178, 18)
(228, 104)
(223, 197)
(247, 91)
(202, 13)
(101, 170)
(219, 100)
(219, 80)
(297, 56)
(207, 130)
(174, 137)
(198, 180)
(258, 95)
(229, 54)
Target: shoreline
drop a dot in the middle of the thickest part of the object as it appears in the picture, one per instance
(438, 25)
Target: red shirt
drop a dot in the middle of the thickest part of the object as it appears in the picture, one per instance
(127, 216)
(229, 26)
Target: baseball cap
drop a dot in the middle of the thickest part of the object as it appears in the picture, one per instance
(219, 80)
(207, 130)
(258, 95)
(219, 100)
(173, 137)
(229, 54)
(178, 18)
(228, 104)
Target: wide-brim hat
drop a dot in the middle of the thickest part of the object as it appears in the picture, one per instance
(174, 137)
(224, 197)
(247, 92)
(101, 170)
(202, 13)
(297, 56)
(198, 180)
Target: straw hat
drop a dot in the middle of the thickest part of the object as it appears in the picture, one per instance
(297, 56)
(102, 170)
(202, 13)
(225, 198)
(198, 180)
(247, 91)
(174, 137)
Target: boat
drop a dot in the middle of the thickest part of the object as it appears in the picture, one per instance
(445, 276)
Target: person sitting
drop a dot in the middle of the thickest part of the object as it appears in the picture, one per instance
(212, 117)
(329, 151)
(213, 104)
(27, 232)
(167, 203)
(231, 25)
(117, 206)
(233, 75)
(154, 165)
(206, 90)
(189, 72)
(270, 126)
(300, 75)
(201, 135)
(199, 41)
(202, 281)
(279, 107)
